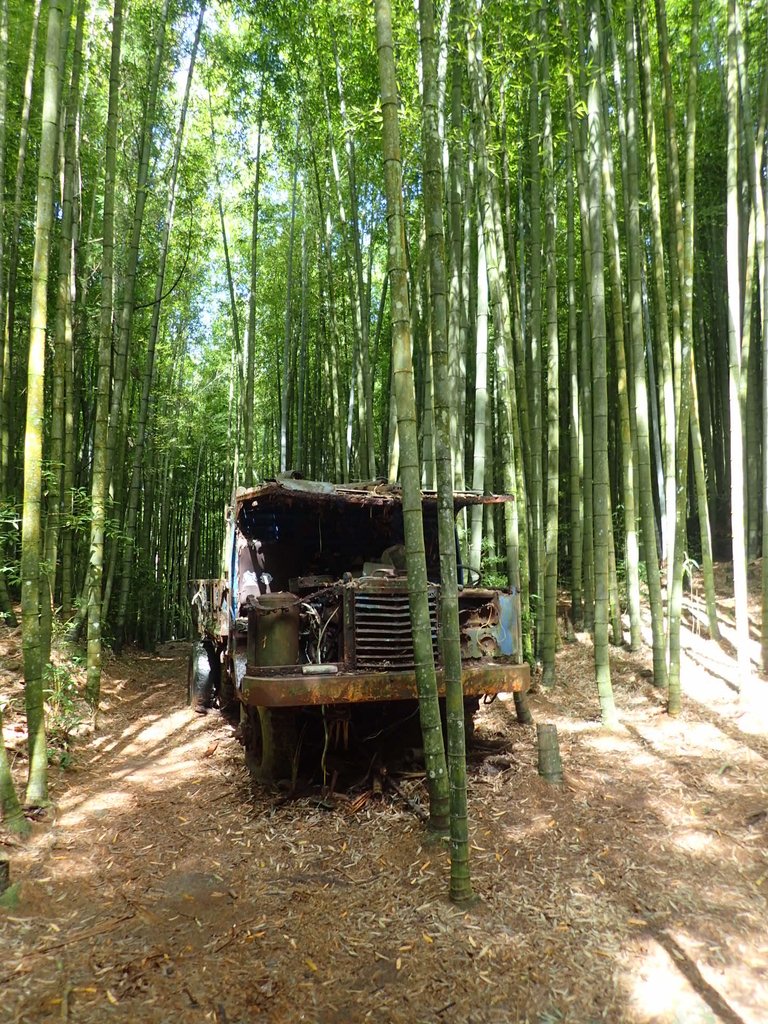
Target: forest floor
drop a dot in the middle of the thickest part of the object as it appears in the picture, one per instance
(160, 887)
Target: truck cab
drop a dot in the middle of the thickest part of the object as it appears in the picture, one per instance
(311, 616)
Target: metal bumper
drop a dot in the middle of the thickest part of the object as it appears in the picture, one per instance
(280, 689)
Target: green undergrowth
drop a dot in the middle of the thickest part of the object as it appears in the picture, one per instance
(66, 711)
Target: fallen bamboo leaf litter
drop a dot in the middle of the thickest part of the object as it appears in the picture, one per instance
(573, 879)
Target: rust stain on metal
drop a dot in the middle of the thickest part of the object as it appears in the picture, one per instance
(314, 606)
(288, 689)
(285, 491)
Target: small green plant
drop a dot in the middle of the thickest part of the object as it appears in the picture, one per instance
(690, 566)
(643, 572)
(64, 712)
(495, 580)
(62, 758)
(550, 1017)
(493, 568)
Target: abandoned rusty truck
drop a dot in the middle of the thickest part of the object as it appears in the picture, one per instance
(310, 620)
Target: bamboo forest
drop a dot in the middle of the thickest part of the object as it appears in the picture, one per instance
(396, 372)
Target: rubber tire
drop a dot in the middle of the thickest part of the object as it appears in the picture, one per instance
(271, 742)
(229, 686)
(202, 675)
(471, 705)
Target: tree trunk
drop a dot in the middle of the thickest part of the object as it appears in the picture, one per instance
(667, 384)
(506, 408)
(129, 529)
(457, 340)
(62, 345)
(72, 381)
(512, 482)
(641, 410)
(481, 400)
(11, 813)
(300, 459)
(250, 360)
(341, 455)
(233, 440)
(686, 307)
(120, 363)
(752, 148)
(534, 382)
(707, 568)
(735, 368)
(674, 202)
(575, 436)
(6, 607)
(627, 445)
(427, 406)
(460, 884)
(763, 277)
(585, 389)
(549, 616)
(7, 397)
(3, 143)
(101, 428)
(351, 245)
(287, 382)
(31, 547)
(583, 384)
(601, 482)
(429, 709)
(358, 295)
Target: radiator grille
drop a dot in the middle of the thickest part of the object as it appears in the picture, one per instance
(383, 638)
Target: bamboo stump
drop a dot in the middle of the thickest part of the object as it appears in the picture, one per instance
(5, 873)
(550, 765)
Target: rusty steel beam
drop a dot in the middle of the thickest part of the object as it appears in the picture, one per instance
(298, 689)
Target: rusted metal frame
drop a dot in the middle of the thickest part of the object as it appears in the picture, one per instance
(209, 594)
(298, 690)
(348, 630)
(359, 495)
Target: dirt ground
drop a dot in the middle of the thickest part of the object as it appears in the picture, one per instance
(159, 887)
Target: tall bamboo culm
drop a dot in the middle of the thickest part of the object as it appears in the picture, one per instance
(429, 709)
(31, 541)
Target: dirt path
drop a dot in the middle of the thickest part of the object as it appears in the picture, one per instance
(160, 888)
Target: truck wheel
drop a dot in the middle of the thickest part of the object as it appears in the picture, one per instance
(202, 672)
(232, 673)
(471, 704)
(270, 740)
